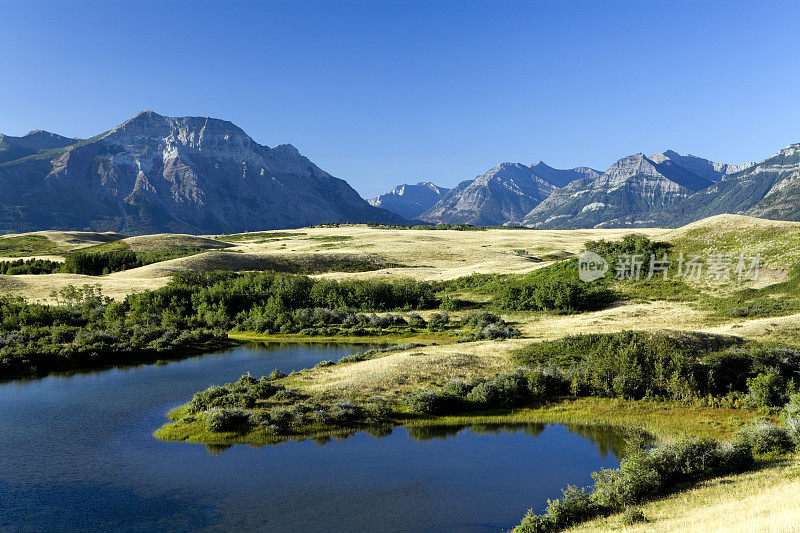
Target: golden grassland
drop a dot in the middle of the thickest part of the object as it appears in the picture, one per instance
(418, 254)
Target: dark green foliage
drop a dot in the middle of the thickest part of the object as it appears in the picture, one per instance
(438, 321)
(376, 410)
(641, 477)
(243, 394)
(219, 420)
(193, 310)
(117, 257)
(85, 330)
(488, 326)
(26, 245)
(457, 388)
(97, 263)
(29, 266)
(554, 288)
(506, 390)
(682, 366)
(632, 244)
(768, 389)
(431, 402)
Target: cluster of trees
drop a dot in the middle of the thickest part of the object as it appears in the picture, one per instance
(29, 266)
(87, 330)
(555, 288)
(506, 390)
(629, 245)
(194, 310)
(635, 365)
(98, 263)
(93, 263)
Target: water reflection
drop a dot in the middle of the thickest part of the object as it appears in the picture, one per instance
(80, 456)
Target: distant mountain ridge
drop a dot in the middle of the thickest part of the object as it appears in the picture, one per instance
(410, 201)
(769, 189)
(503, 194)
(623, 194)
(170, 174)
(202, 175)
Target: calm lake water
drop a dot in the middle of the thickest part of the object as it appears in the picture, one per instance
(76, 453)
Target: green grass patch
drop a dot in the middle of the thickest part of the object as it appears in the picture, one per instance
(27, 245)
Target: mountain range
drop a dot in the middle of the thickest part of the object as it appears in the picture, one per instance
(164, 174)
(663, 189)
(156, 174)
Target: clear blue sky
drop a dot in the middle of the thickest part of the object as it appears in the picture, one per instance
(380, 93)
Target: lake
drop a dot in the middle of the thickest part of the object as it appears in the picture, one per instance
(77, 453)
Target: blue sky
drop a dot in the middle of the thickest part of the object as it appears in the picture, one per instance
(380, 92)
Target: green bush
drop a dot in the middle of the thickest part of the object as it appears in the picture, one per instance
(438, 321)
(766, 439)
(767, 389)
(218, 420)
(633, 516)
(673, 365)
(430, 402)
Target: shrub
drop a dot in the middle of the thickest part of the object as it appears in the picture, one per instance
(574, 506)
(765, 439)
(376, 410)
(438, 321)
(277, 374)
(449, 303)
(218, 420)
(430, 402)
(767, 389)
(415, 320)
(486, 394)
(632, 516)
(630, 483)
(533, 523)
(457, 388)
(345, 412)
(480, 319)
(497, 331)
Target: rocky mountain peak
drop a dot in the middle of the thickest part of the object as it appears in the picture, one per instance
(410, 201)
(155, 173)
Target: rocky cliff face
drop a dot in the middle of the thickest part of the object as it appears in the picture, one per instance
(625, 194)
(410, 201)
(769, 189)
(503, 194)
(704, 168)
(190, 174)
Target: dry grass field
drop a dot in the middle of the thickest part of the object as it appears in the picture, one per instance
(419, 254)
